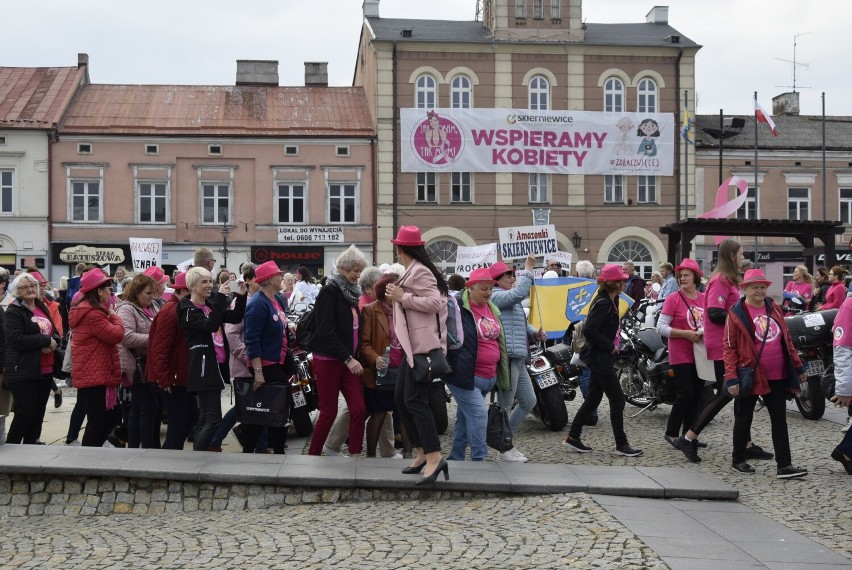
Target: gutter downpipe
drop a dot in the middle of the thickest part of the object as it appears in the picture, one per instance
(374, 153)
(396, 144)
(678, 120)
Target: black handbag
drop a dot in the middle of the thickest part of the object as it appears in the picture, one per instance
(268, 406)
(498, 434)
(746, 374)
(387, 383)
(430, 365)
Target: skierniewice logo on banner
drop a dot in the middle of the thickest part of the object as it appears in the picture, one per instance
(470, 258)
(519, 242)
(520, 140)
(146, 252)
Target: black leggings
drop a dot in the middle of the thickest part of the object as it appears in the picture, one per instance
(685, 408)
(718, 402)
(599, 384)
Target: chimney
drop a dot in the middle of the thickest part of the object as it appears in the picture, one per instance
(257, 72)
(657, 15)
(82, 60)
(786, 104)
(371, 8)
(316, 73)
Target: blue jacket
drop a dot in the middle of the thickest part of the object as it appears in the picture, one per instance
(264, 331)
(512, 316)
(463, 361)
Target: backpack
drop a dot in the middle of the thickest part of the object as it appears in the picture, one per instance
(455, 333)
(578, 341)
(305, 329)
(66, 360)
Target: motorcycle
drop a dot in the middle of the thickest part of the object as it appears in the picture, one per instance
(303, 392)
(812, 337)
(555, 381)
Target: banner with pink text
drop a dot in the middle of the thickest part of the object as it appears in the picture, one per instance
(520, 140)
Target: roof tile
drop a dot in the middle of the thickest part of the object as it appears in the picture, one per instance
(36, 97)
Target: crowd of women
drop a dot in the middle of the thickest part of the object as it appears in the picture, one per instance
(166, 349)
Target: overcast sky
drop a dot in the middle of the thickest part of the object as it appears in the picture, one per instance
(199, 41)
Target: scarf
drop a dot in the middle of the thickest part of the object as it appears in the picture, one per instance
(351, 291)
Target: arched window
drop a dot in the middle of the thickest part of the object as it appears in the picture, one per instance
(443, 255)
(646, 94)
(636, 252)
(539, 91)
(613, 95)
(425, 92)
(461, 92)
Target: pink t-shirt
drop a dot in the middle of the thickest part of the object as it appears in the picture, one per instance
(688, 316)
(44, 326)
(219, 346)
(804, 289)
(722, 294)
(843, 324)
(772, 359)
(488, 333)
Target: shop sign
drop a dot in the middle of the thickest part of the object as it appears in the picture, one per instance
(310, 234)
(97, 255)
(288, 255)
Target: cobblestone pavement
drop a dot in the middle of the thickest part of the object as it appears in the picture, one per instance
(557, 531)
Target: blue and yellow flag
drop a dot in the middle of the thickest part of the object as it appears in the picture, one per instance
(686, 126)
(556, 303)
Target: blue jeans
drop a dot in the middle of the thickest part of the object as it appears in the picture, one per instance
(522, 389)
(471, 420)
(585, 376)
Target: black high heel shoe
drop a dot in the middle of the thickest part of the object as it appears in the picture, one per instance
(414, 470)
(429, 479)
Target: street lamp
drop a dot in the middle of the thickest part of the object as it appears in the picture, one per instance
(576, 240)
(225, 232)
(735, 125)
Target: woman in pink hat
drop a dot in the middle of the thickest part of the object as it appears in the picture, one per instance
(420, 317)
(682, 322)
(602, 331)
(757, 337)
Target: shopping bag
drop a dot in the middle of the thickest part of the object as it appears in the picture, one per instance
(269, 405)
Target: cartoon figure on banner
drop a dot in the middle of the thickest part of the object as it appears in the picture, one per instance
(648, 129)
(624, 147)
(438, 140)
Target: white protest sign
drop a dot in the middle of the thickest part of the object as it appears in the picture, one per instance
(185, 265)
(562, 257)
(470, 258)
(519, 242)
(146, 252)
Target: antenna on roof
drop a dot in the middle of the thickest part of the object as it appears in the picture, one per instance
(795, 62)
(478, 10)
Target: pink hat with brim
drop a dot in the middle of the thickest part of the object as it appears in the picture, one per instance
(612, 272)
(92, 279)
(266, 270)
(180, 281)
(38, 277)
(408, 236)
(755, 277)
(690, 264)
(481, 275)
(157, 275)
(498, 269)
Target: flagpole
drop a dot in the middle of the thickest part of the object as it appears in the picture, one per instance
(824, 199)
(756, 194)
(537, 305)
(686, 159)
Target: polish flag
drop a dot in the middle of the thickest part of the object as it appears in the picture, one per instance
(764, 117)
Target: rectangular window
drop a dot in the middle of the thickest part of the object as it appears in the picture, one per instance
(7, 186)
(538, 9)
(341, 203)
(614, 189)
(846, 206)
(214, 149)
(2, 140)
(84, 148)
(152, 149)
(520, 9)
(341, 150)
(427, 187)
(291, 151)
(86, 201)
(291, 203)
(215, 203)
(461, 187)
(646, 189)
(153, 202)
(748, 211)
(798, 204)
(538, 188)
(555, 9)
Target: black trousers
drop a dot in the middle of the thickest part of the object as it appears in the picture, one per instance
(776, 404)
(99, 420)
(143, 421)
(602, 383)
(412, 401)
(209, 417)
(685, 408)
(714, 406)
(30, 397)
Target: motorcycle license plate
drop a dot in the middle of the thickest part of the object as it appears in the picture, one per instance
(814, 367)
(546, 379)
(299, 399)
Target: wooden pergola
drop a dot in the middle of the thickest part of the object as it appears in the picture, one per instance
(682, 233)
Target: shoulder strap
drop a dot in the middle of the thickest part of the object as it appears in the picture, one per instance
(689, 308)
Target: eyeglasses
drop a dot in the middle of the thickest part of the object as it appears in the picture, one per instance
(27, 287)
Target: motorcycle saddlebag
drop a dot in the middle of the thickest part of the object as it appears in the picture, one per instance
(559, 353)
(811, 329)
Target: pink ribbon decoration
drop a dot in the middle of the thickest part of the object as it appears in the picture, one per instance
(724, 208)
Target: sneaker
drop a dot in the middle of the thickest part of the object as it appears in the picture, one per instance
(670, 439)
(511, 456)
(575, 445)
(57, 398)
(791, 472)
(845, 428)
(326, 450)
(627, 451)
(847, 463)
(689, 448)
(700, 444)
(743, 467)
(756, 452)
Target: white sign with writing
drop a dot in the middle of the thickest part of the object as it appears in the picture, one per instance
(96, 255)
(146, 252)
(310, 234)
(470, 258)
(563, 257)
(519, 242)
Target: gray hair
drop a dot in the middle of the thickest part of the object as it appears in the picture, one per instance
(585, 268)
(16, 282)
(369, 277)
(351, 259)
(194, 274)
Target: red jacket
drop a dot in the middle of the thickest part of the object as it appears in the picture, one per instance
(740, 352)
(168, 355)
(94, 346)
